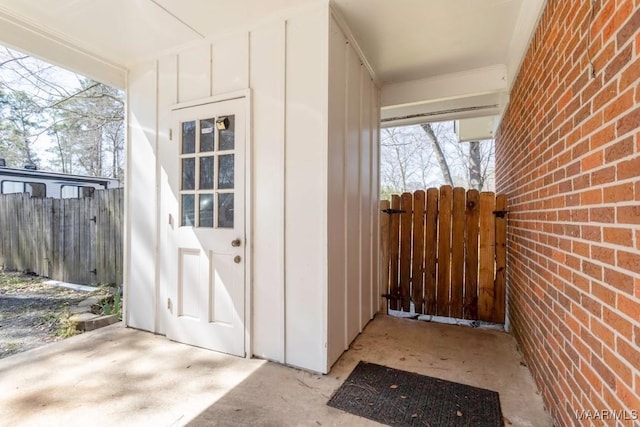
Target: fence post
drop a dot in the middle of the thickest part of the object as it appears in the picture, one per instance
(501, 258)
(385, 228)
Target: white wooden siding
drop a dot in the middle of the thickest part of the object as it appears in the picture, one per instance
(267, 79)
(309, 191)
(194, 73)
(167, 96)
(306, 191)
(230, 64)
(336, 198)
(353, 287)
(141, 204)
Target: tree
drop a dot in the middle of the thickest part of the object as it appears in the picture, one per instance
(429, 155)
(93, 118)
(439, 153)
(20, 127)
(82, 120)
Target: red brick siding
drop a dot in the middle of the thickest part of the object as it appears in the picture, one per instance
(568, 157)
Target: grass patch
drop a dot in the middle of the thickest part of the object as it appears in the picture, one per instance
(9, 346)
(66, 327)
(111, 304)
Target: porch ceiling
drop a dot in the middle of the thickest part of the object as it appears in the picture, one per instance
(404, 41)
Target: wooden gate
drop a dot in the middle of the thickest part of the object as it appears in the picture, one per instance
(444, 250)
(72, 240)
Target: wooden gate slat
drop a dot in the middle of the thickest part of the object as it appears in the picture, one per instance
(487, 256)
(471, 255)
(394, 253)
(501, 259)
(406, 205)
(444, 251)
(457, 252)
(431, 253)
(385, 228)
(417, 268)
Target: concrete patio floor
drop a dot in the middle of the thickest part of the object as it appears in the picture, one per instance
(119, 376)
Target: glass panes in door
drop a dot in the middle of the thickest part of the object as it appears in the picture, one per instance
(207, 172)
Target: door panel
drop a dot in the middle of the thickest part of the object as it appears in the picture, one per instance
(205, 189)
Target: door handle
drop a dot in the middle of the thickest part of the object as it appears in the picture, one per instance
(237, 259)
(236, 243)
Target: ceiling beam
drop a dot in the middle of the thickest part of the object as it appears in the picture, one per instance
(473, 106)
(30, 39)
(450, 86)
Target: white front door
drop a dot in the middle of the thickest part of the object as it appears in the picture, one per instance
(206, 236)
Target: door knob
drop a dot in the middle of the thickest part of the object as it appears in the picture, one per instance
(236, 243)
(237, 259)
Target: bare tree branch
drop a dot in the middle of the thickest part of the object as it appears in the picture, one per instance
(442, 161)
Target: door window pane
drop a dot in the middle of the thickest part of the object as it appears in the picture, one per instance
(227, 137)
(206, 210)
(225, 171)
(206, 173)
(188, 174)
(188, 213)
(225, 210)
(207, 132)
(188, 137)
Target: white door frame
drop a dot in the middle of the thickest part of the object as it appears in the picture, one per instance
(245, 94)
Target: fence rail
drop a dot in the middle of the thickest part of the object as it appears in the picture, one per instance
(444, 250)
(72, 240)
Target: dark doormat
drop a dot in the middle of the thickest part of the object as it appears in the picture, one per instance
(400, 398)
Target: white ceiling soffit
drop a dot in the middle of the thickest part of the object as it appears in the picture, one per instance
(27, 38)
(403, 40)
(117, 34)
(452, 50)
(121, 31)
(415, 39)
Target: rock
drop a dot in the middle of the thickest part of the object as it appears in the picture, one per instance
(96, 299)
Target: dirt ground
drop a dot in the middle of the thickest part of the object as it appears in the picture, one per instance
(31, 313)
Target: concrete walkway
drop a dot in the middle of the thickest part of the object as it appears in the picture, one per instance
(117, 376)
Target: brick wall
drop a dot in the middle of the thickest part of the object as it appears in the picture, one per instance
(568, 156)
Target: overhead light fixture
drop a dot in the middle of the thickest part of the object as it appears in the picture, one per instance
(222, 123)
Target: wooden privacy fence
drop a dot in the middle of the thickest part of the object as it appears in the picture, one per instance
(71, 240)
(445, 251)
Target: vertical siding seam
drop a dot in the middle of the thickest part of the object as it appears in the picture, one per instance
(346, 193)
(211, 76)
(158, 198)
(284, 198)
(178, 77)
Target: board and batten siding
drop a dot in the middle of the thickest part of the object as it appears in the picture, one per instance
(353, 189)
(293, 190)
(141, 203)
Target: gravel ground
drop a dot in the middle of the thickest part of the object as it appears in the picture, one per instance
(31, 312)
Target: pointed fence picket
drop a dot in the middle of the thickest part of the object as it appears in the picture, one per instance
(444, 252)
